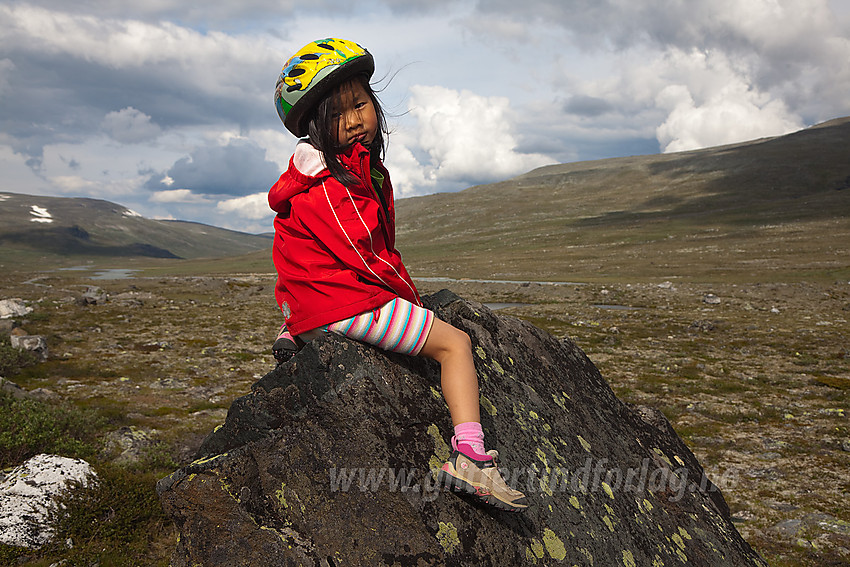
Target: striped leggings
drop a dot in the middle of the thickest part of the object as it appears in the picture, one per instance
(397, 326)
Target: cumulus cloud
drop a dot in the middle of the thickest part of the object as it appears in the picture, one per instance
(177, 196)
(130, 126)
(252, 207)
(738, 69)
(237, 168)
(735, 114)
(467, 137)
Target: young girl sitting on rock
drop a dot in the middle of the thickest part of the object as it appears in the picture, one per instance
(334, 247)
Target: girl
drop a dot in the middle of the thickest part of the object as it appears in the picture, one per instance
(334, 247)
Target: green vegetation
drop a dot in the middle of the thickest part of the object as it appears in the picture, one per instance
(12, 360)
(29, 427)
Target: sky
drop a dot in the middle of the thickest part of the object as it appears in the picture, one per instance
(166, 106)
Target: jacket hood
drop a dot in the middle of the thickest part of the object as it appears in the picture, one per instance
(306, 167)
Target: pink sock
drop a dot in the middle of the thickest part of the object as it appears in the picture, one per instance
(469, 440)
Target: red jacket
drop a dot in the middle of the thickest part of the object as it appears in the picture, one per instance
(334, 246)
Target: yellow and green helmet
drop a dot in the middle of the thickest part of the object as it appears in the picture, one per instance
(314, 70)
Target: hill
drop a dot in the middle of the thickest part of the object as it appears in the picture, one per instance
(52, 227)
(764, 210)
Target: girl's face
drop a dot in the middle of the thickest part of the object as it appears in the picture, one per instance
(354, 115)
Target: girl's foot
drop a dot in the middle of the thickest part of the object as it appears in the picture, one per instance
(483, 479)
(284, 346)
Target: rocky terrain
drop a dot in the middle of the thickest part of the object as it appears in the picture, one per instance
(754, 377)
(332, 459)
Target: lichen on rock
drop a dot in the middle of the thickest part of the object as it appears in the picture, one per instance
(353, 432)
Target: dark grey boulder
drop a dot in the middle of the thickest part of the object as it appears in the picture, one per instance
(327, 462)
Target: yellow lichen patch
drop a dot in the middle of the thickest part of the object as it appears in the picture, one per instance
(436, 393)
(554, 545)
(607, 490)
(546, 485)
(441, 449)
(677, 539)
(608, 523)
(684, 533)
(488, 406)
(586, 554)
(281, 497)
(575, 503)
(547, 428)
(447, 537)
(480, 352)
(679, 460)
(628, 559)
(560, 401)
(541, 454)
(647, 504)
(497, 367)
(584, 443)
(211, 458)
(537, 548)
(529, 555)
(682, 557)
(533, 415)
(664, 458)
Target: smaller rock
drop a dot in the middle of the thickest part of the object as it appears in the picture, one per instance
(710, 299)
(13, 389)
(788, 528)
(93, 296)
(30, 491)
(130, 443)
(13, 308)
(32, 343)
(6, 327)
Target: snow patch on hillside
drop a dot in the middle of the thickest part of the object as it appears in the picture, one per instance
(40, 214)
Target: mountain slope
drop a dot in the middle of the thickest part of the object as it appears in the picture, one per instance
(96, 228)
(752, 210)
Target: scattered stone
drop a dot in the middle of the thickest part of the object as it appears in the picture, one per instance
(44, 395)
(33, 343)
(710, 299)
(129, 443)
(308, 467)
(788, 528)
(667, 285)
(30, 491)
(704, 326)
(8, 387)
(13, 308)
(93, 296)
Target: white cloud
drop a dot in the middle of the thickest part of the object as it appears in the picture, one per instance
(735, 114)
(177, 196)
(130, 126)
(251, 207)
(710, 100)
(468, 137)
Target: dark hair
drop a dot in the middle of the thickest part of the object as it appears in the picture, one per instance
(322, 130)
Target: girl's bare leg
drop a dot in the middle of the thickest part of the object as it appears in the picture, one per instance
(452, 349)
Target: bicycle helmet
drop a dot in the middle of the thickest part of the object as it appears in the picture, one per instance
(311, 73)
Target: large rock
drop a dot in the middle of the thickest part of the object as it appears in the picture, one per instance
(29, 493)
(328, 461)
